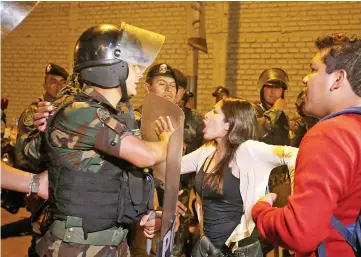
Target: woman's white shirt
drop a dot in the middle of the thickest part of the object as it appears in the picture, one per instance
(255, 160)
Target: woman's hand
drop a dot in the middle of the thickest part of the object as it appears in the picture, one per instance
(164, 128)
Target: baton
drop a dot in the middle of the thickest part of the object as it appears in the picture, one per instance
(153, 215)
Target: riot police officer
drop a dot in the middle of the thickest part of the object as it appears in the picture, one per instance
(274, 129)
(54, 80)
(94, 189)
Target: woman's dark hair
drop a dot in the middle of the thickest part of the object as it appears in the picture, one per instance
(241, 116)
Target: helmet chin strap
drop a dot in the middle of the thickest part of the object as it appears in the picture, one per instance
(125, 99)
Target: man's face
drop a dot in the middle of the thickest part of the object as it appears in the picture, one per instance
(163, 86)
(135, 73)
(190, 104)
(317, 93)
(272, 92)
(53, 84)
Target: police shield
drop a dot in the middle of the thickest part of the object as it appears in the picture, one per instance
(13, 13)
(168, 171)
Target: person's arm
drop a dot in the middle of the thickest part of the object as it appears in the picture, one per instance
(190, 162)
(267, 120)
(119, 143)
(321, 179)
(18, 180)
(199, 211)
(28, 142)
(272, 156)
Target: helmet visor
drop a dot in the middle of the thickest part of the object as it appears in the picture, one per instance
(13, 13)
(138, 46)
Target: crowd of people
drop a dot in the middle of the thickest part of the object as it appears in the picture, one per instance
(259, 179)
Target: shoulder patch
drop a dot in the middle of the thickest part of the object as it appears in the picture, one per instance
(103, 114)
(28, 119)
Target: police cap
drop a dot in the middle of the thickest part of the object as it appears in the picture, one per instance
(161, 69)
(187, 95)
(56, 70)
(220, 90)
(181, 78)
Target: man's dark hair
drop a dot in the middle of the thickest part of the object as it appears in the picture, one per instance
(343, 52)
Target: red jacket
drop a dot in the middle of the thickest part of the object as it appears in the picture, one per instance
(327, 182)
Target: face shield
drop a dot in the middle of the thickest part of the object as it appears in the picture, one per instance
(138, 46)
(13, 13)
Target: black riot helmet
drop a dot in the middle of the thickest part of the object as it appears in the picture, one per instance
(102, 53)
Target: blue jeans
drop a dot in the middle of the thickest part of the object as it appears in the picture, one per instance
(252, 250)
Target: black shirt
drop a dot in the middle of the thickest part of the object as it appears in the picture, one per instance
(221, 212)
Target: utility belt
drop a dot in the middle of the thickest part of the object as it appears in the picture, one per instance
(71, 231)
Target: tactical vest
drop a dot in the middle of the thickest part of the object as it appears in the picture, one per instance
(117, 194)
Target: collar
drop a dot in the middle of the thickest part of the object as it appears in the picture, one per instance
(350, 110)
(89, 91)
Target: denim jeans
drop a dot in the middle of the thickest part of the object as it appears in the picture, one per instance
(252, 250)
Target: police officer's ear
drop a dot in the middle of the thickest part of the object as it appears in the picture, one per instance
(146, 87)
(339, 77)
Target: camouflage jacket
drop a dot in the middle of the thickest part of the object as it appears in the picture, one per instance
(298, 128)
(31, 143)
(25, 131)
(193, 126)
(83, 133)
(276, 128)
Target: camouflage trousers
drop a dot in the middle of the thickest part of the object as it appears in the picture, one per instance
(51, 246)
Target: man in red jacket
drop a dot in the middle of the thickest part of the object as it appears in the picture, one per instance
(328, 168)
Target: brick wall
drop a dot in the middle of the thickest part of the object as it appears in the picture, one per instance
(244, 38)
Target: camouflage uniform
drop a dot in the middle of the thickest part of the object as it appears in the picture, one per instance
(299, 127)
(81, 137)
(52, 246)
(276, 133)
(193, 125)
(26, 130)
(30, 144)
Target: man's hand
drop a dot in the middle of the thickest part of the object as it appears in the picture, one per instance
(269, 198)
(181, 208)
(44, 185)
(42, 114)
(150, 226)
(280, 104)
